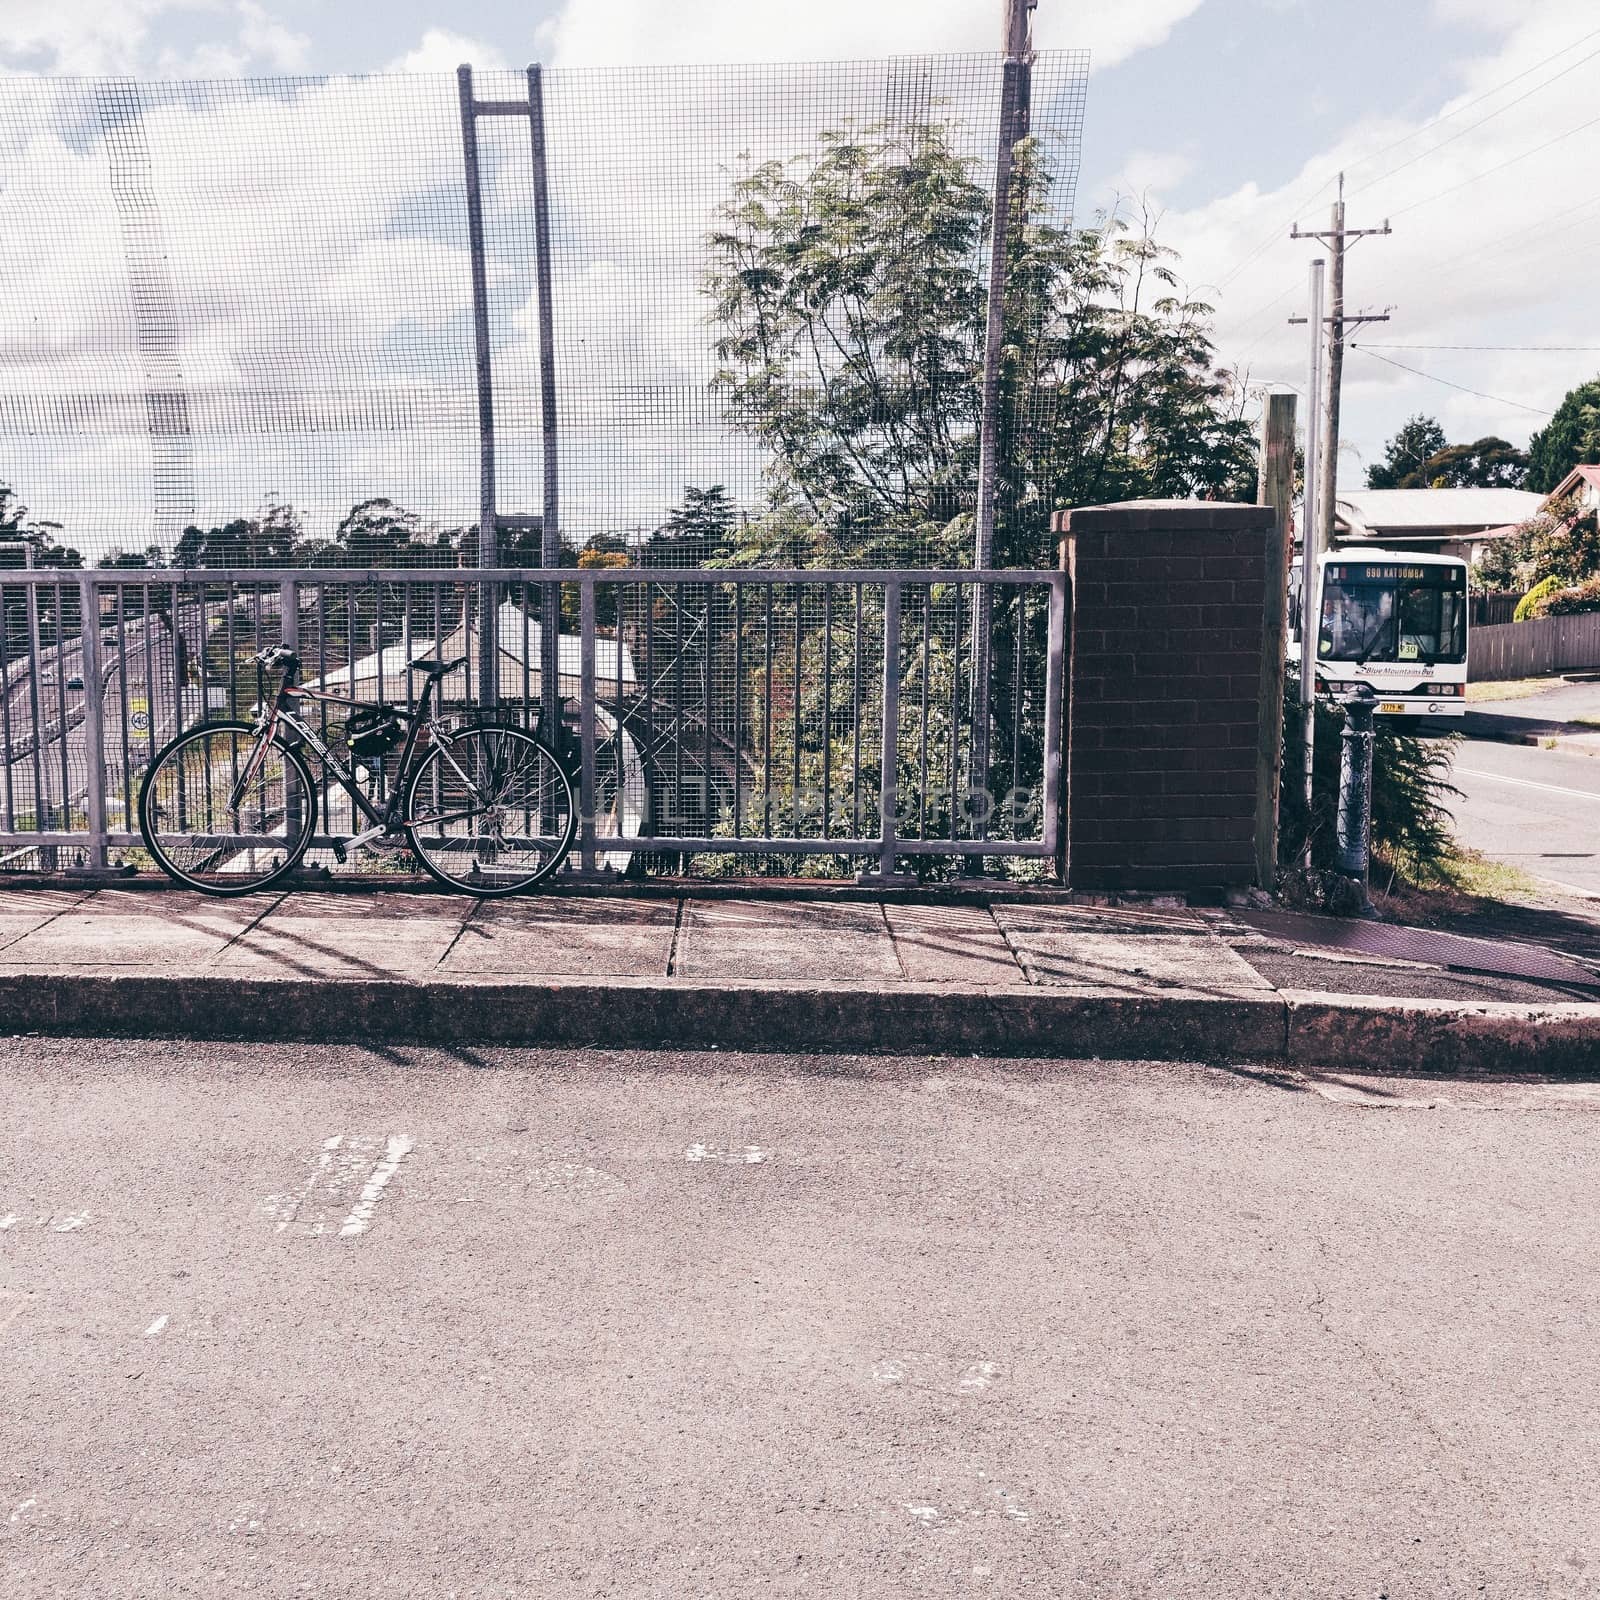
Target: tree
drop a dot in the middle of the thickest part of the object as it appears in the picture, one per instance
(850, 292)
(271, 538)
(695, 533)
(1559, 545)
(1571, 438)
(1489, 463)
(846, 291)
(1420, 439)
(18, 529)
(378, 533)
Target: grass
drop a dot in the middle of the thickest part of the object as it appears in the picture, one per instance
(1461, 882)
(1513, 689)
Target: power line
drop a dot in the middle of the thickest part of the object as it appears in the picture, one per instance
(1499, 400)
(1563, 348)
(1574, 219)
(1472, 127)
(1416, 133)
(1477, 100)
(1479, 176)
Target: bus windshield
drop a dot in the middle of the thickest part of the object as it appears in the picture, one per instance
(1388, 613)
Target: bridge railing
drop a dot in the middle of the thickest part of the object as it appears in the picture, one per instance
(721, 713)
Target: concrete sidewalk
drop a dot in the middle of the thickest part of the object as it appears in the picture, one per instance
(827, 969)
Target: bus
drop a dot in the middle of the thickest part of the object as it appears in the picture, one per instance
(1396, 621)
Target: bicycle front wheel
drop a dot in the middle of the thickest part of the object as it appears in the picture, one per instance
(215, 823)
(490, 810)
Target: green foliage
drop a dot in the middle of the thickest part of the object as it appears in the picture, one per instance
(1570, 439)
(1561, 544)
(1488, 463)
(58, 610)
(1419, 457)
(849, 291)
(1404, 454)
(1526, 606)
(697, 533)
(1568, 602)
(1503, 564)
(1411, 792)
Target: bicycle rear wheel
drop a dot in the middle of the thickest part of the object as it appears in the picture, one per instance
(491, 811)
(201, 841)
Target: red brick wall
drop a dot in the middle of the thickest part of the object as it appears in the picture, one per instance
(1164, 721)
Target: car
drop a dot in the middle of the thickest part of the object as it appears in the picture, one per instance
(74, 682)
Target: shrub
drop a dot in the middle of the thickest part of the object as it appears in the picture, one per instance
(1570, 602)
(1527, 606)
(1565, 543)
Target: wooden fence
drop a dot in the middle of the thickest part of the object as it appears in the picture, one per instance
(1534, 649)
(1498, 605)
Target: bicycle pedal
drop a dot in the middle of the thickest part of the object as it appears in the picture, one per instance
(340, 854)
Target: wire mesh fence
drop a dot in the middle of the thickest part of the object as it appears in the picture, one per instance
(239, 335)
(238, 319)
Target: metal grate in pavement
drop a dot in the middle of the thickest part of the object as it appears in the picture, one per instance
(1419, 944)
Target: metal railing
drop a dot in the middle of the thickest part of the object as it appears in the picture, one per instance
(704, 711)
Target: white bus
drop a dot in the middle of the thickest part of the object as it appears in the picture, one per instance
(1397, 621)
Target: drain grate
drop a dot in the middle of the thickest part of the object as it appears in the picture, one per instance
(1428, 945)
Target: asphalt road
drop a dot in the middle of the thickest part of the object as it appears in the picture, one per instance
(1534, 808)
(335, 1322)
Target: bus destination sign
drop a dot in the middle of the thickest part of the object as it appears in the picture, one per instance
(1371, 572)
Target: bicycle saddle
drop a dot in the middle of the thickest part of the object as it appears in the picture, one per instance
(438, 669)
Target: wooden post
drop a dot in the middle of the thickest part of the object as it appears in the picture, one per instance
(1276, 489)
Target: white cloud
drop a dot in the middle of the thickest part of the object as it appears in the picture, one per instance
(648, 32)
(439, 50)
(1478, 256)
(78, 35)
(1152, 172)
(96, 37)
(269, 41)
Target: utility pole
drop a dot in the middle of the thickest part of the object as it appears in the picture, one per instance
(1335, 237)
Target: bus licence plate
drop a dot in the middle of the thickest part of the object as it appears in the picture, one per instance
(1392, 707)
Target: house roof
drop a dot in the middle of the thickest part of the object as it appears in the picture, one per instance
(1374, 513)
(1579, 474)
(385, 671)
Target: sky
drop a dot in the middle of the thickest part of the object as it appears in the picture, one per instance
(1472, 126)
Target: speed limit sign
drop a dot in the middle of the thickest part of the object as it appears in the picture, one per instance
(139, 721)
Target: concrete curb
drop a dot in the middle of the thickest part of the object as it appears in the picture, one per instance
(1291, 1029)
(1551, 736)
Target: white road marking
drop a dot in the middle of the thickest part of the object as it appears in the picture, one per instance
(979, 1376)
(924, 1514)
(1528, 783)
(16, 1515)
(399, 1146)
(341, 1171)
(66, 1222)
(155, 1327)
(888, 1373)
(739, 1156)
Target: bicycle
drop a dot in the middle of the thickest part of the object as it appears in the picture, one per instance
(229, 808)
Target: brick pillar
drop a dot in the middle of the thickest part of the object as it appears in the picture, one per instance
(1165, 722)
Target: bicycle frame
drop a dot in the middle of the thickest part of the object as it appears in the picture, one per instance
(271, 721)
